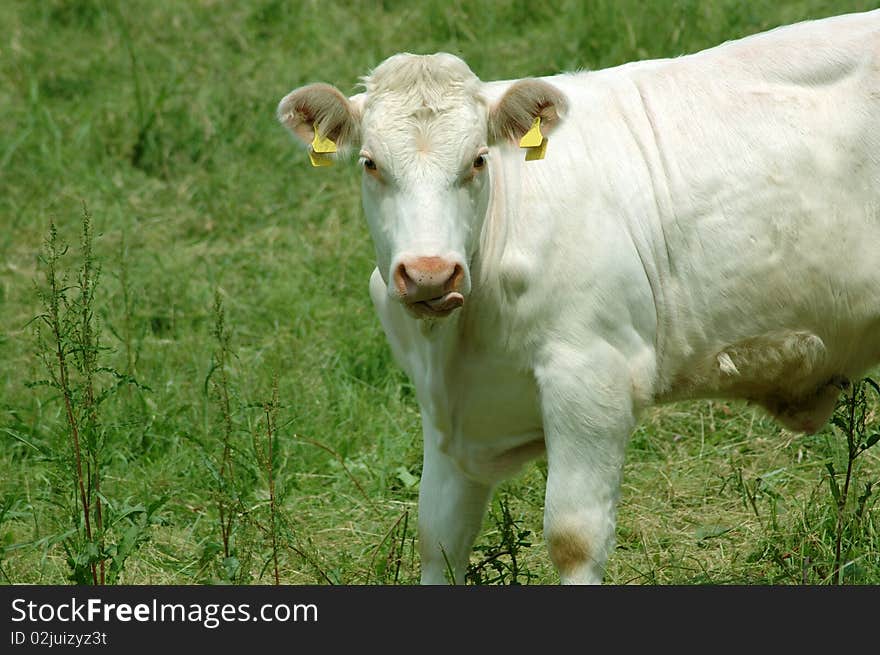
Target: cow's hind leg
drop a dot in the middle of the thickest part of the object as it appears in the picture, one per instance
(451, 509)
(588, 417)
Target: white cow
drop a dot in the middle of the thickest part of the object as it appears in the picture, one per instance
(705, 226)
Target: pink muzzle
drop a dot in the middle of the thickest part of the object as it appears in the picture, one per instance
(429, 286)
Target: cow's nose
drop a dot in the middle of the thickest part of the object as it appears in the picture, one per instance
(427, 278)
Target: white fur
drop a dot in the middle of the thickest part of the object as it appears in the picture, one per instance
(701, 226)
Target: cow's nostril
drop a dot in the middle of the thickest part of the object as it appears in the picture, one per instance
(455, 280)
(402, 280)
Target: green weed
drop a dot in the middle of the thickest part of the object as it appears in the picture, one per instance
(831, 536)
(100, 534)
(499, 558)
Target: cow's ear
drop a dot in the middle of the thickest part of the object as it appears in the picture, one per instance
(515, 113)
(326, 108)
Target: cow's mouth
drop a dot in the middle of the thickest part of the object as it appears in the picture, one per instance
(437, 307)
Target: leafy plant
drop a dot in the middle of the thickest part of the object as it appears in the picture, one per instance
(501, 562)
(70, 348)
(851, 417)
(265, 455)
(833, 538)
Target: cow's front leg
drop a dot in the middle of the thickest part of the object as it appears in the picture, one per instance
(588, 410)
(451, 509)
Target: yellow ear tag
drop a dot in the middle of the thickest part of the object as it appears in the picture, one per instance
(319, 159)
(532, 138)
(321, 149)
(537, 152)
(534, 141)
(322, 144)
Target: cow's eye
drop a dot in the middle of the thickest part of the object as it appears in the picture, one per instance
(480, 161)
(369, 164)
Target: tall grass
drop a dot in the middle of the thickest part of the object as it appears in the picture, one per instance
(161, 113)
(223, 468)
(74, 345)
(264, 451)
(69, 347)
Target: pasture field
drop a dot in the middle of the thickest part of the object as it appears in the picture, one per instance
(227, 310)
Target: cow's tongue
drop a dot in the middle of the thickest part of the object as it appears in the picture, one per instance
(446, 303)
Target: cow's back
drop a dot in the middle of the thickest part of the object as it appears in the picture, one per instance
(768, 176)
(744, 181)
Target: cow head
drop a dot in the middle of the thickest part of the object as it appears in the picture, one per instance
(423, 128)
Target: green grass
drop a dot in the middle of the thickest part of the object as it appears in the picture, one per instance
(160, 116)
